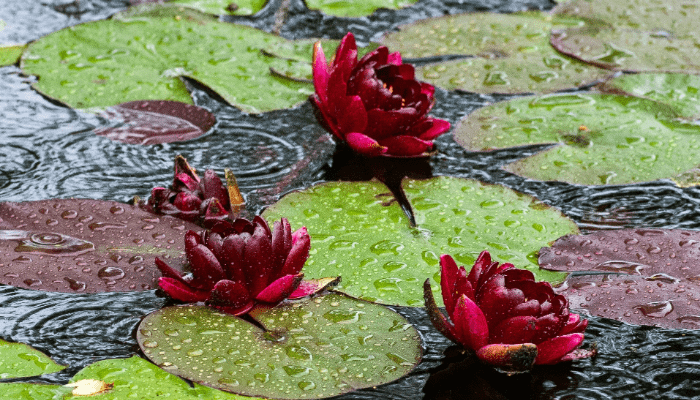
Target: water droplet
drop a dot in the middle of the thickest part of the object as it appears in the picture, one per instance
(117, 210)
(658, 309)
(102, 226)
(299, 353)
(47, 243)
(150, 344)
(296, 372)
(195, 352)
(621, 266)
(386, 247)
(110, 273)
(75, 285)
(306, 385)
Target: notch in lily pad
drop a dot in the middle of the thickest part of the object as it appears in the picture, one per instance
(508, 53)
(640, 276)
(86, 246)
(359, 231)
(319, 347)
(596, 139)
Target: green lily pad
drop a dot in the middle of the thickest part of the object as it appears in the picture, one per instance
(31, 391)
(680, 91)
(224, 7)
(358, 231)
(319, 347)
(635, 35)
(9, 55)
(602, 139)
(83, 66)
(19, 360)
(511, 53)
(356, 8)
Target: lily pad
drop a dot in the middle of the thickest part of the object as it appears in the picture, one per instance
(224, 7)
(601, 139)
(86, 246)
(358, 231)
(679, 91)
(31, 391)
(155, 122)
(511, 53)
(640, 276)
(356, 8)
(83, 66)
(636, 35)
(319, 347)
(19, 360)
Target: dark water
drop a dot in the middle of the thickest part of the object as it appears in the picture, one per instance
(49, 151)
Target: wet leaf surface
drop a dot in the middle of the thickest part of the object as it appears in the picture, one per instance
(14, 391)
(20, 360)
(511, 53)
(156, 122)
(359, 232)
(355, 8)
(9, 55)
(315, 348)
(679, 91)
(86, 246)
(636, 35)
(602, 139)
(159, 44)
(640, 276)
(224, 7)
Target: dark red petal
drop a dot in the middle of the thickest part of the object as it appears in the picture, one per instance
(181, 291)
(187, 201)
(497, 302)
(281, 243)
(322, 114)
(206, 269)
(548, 326)
(437, 128)
(437, 318)
(233, 263)
(482, 262)
(280, 289)
(364, 145)
(320, 72)
(574, 325)
(243, 225)
(530, 307)
(470, 324)
(168, 272)
(378, 56)
(214, 187)
(258, 221)
(395, 58)
(231, 296)
(509, 357)
(354, 118)
(552, 351)
(186, 181)
(385, 124)
(427, 89)
(313, 286)
(215, 243)
(514, 330)
(192, 239)
(299, 253)
(258, 262)
(405, 146)
(448, 281)
(346, 56)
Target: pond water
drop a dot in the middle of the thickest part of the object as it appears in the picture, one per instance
(49, 151)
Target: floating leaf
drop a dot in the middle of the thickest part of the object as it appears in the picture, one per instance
(635, 35)
(602, 139)
(511, 53)
(310, 349)
(224, 7)
(30, 391)
(356, 8)
(653, 275)
(679, 91)
(9, 55)
(156, 121)
(137, 378)
(83, 66)
(358, 231)
(88, 246)
(19, 360)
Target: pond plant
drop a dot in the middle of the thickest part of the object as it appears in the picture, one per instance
(336, 307)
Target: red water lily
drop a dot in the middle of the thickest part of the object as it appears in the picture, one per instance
(502, 314)
(375, 105)
(238, 265)
(203, 201)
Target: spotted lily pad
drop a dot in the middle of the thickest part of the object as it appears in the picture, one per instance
(155, 122)
(86, 246)
(511, 53)
(679, 91)
(635, 35)
(19, 360)
(83, 66)
(224, 7)
(30, 391)
(358, 231)
(601, 139)
(9, 55)
(640, 276)
(356, 8)
(316, 348)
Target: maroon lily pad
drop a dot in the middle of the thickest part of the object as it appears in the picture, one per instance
(156, 121)
(86, 246)
(640, 276)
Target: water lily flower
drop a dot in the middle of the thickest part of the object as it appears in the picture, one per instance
(375, 105)
(238, 265)
(510, 321)
(204, 201)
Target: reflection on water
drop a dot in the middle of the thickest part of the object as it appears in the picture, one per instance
(49, 151)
